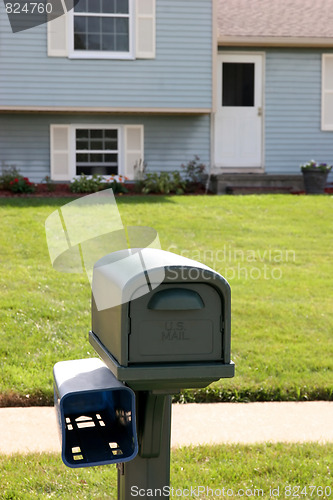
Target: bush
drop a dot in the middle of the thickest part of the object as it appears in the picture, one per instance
(8, 175)
(170, 182)
(193, 171)
(87, 184)
(117, 184)
(21, 185)
(163, 183)
(50, 185)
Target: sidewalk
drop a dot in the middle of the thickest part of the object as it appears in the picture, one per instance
(35, 430)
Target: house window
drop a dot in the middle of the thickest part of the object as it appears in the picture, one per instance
(102, 26)
(97, 151)
(104, 29)
(238, 84)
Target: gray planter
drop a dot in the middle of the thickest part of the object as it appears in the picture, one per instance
(314, 180)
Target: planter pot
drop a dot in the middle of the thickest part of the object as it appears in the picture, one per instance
(314, 181)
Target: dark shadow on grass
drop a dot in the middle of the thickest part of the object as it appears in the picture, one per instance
(208, 395)
(13, 399)
(24, 202)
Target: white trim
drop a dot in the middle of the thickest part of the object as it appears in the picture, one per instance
(151, 18)
(214, 20)
(274, 41)
(130, 151)
(263, 124)
(237, 170)
(72, 152)
(260, 168)
(325, 126)
(125, 151)
(57, 29)
(102, 54)
(64, 151)
(104, 110)
(88, 126)
(214, 55)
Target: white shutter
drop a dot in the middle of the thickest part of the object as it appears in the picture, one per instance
(57, 45)
(134, 147)
(327, 92)
(145, 29)
(60, 153)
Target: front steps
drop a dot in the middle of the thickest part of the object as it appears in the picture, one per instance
(229, 183)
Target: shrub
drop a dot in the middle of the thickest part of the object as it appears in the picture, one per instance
(163, 183)
(8, 175)
(50, 185)
(21, 185)
(87, 184)
(117, 184)
(193, 172)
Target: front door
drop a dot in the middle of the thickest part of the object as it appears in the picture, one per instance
(238, 119)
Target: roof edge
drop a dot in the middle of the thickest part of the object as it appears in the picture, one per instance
(275, 41)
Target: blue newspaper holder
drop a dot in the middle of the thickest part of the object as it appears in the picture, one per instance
(96, 414)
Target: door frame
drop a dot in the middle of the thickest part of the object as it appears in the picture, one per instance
(216, 89)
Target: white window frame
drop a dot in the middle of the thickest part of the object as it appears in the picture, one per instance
(102, 54)
(325, 125)
(89, 126)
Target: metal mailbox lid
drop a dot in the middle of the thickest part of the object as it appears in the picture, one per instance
(176, 322)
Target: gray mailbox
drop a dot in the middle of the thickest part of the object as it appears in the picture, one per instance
(161, 321)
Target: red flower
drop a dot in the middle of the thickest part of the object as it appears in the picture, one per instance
(26, 179)
(16, 180)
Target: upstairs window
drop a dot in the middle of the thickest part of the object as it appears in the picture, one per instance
(102, 27)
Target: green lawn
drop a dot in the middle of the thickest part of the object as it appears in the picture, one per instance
(275, 250)
(264, 471)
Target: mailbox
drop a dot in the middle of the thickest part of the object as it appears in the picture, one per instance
(160, 320)
(96, 414)
(160, 323)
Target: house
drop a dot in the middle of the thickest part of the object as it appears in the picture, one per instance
(106, 85)
(245, 85)
(274, 88)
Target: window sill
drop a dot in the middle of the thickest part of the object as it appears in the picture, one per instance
(101, 55)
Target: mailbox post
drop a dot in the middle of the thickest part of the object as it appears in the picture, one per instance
(168, 329)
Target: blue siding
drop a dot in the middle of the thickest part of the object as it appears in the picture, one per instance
(292, 109)
(169, 140)
(179, 76)
(293, 132)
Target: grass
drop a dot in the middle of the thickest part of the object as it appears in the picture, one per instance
(275, 251)
(262, 470)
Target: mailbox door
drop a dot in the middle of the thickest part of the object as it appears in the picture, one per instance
(175, 323)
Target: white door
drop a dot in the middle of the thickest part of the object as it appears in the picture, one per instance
(238, 119)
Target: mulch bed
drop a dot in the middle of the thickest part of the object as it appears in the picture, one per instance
(63, 190)
(41, 192)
